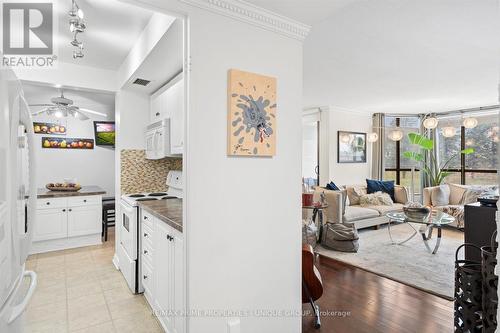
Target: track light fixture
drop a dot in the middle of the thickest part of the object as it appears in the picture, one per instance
(76, 26)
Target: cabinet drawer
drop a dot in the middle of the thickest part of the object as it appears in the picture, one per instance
(147, 278)
(147, 255)
(51, 203)
(84, 201)
(147, 219)
(147, 236)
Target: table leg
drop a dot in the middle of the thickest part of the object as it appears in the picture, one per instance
(404, 241)
(426, 236)
(320, 220)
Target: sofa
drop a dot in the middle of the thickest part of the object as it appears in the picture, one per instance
(344, 207)
(451, 198)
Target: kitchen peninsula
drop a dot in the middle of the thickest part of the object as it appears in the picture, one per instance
(66, 219)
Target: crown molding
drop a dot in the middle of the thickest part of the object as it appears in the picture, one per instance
(246, 12)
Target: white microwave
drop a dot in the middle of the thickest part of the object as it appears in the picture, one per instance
(158, 140)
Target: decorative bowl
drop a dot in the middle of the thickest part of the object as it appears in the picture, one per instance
(418, 214)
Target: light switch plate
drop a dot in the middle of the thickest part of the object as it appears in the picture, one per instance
(233, 326)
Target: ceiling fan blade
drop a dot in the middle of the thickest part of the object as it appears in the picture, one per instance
(79, 115)
(94, 112)
(41, 105)
(39, 112)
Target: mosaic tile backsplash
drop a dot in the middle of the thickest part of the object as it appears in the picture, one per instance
(141, 175)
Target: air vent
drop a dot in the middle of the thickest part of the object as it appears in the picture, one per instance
(141, 82)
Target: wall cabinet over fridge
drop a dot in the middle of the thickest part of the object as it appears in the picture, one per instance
(168, 103)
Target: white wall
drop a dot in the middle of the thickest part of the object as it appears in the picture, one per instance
(404, 56)
(345, 120)
(242, 219)
(88, 167)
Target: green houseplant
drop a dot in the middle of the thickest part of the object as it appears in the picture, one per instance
(431, 167)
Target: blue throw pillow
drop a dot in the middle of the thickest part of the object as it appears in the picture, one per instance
(386, 186)
(332, 187)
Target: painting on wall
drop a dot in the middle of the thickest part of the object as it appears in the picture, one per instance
(251, 114)
(49, 128)
(351, 147)
(67, 143)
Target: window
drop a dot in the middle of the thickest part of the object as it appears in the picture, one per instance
(397, 167)
(310, 149)
(479, 168)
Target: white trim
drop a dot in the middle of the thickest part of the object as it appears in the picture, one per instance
(65, 243)
(246, 12)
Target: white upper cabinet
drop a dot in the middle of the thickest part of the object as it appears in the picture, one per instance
(168, 102)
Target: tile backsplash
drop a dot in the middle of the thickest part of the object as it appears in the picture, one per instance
(141, 175)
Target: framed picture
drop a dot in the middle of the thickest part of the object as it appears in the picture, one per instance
(104, 133)
(49, 128)
(67, 143)
(251, 114)
(351, 147)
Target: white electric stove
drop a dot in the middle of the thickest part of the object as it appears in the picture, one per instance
(128, 250)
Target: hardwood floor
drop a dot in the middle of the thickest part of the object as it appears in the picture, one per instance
(365, 302)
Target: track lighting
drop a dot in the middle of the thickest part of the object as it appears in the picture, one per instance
(76, 26)
(372, 137)
(431, 123)
(396, 135)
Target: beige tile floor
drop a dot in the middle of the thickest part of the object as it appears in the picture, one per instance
(79, 290)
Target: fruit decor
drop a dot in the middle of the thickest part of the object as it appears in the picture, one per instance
(67, 143)
(49, 128)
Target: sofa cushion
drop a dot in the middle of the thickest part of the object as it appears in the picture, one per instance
(332, 187)
(354, 192)
(456, 193)
(401, 194)
(386, 186)
(375, 199)
(387, 209)
(440, 195)
(354, 213)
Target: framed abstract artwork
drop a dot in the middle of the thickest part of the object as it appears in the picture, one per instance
(351, 147)
(251, 114)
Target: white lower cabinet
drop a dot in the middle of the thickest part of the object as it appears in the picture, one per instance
(163, 280)
(67, 222)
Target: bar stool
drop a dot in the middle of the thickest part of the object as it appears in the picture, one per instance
(108, 216)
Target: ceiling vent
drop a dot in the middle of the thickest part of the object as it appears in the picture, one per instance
(141, 82)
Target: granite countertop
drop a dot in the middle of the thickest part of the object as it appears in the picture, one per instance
(168, 211)
(84, 191)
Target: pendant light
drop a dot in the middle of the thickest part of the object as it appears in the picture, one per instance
(345, 138)
(372, 137)
(396, 135)
(470, 122)
(449, 131)
(431, 123)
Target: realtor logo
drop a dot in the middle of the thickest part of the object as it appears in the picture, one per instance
(27, 28)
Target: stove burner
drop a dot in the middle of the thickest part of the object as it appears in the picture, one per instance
(168, 197)
(160, 194)
(136, 196)
(146, 199)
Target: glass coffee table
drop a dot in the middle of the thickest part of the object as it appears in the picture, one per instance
(436, 221)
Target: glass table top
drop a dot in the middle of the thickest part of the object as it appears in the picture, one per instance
(437, 218)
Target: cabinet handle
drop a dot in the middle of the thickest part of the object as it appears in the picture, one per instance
(145, 277)
(146, 235)
(64, 210)
(145, 217)
(85, 200)
(146, 252)
(157, 114)
(70, 210)
(47, 203)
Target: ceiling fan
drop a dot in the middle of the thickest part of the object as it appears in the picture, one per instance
(63, 107)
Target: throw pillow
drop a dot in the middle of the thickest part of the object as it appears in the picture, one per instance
(440, 196)
(376, 199)
(473, 192)
(332, 187)
(381, 186)
(354, 193)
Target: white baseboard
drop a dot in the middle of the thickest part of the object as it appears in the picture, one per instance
(116, 261)
(65, 243)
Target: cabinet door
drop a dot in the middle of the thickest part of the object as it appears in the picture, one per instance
(156, 108)
(163, 273)
(178, 247)
(177, 118)
(51, 224)
(84, 220)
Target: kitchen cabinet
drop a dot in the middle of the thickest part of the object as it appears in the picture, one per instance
(163, 271)
(168, 103)
(63, 223)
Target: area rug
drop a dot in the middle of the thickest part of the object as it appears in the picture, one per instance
(409, 263)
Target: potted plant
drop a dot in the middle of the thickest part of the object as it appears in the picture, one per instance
(431, 167)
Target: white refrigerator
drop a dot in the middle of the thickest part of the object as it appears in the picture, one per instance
(17, 202)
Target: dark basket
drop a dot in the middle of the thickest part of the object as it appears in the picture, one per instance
(490, 286)
(468, 295)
